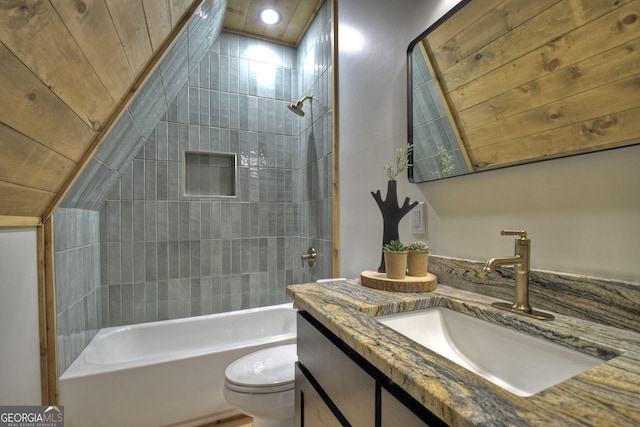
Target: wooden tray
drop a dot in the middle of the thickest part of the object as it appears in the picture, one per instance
(380, 281)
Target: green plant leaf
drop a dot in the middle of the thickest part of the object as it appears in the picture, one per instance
(394, 246)
(402, 162)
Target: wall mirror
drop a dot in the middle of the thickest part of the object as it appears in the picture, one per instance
(497, 83)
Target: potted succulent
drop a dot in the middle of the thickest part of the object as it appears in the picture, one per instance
(418, 259)
(395, 259)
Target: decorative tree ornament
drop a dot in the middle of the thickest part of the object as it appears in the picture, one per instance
(392, 213)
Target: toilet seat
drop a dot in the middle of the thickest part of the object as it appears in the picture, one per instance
(270, 370)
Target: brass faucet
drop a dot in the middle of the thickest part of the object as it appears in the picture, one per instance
(520, 262)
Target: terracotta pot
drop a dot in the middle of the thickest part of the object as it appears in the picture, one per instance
(396, 264)
(418, 262)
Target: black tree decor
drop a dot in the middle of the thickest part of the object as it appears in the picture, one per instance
(392, 213)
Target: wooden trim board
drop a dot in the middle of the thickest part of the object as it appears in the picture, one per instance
(335, 93)
(19, 221)
(47, 315)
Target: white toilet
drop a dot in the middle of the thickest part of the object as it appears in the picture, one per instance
(261, 385)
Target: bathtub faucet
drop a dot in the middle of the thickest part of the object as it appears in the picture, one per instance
(520, 262)
(310, 257)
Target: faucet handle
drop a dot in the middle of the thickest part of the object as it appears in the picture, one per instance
(521, 233)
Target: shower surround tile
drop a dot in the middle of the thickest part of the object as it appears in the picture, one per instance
(213, 254)
(79, 302)
(150, 252)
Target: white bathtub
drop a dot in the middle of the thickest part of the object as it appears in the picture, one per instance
(166, 373)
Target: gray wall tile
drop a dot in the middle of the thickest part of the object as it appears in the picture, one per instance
(121, 144)
(190, 255)
(149, 104)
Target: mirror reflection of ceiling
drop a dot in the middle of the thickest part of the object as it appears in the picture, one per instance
(519, 82)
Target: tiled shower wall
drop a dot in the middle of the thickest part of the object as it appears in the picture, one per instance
(76, 222)
(316, 144)
(165, 255)
(77, 265)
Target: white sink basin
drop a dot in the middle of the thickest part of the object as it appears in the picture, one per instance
(519, 363)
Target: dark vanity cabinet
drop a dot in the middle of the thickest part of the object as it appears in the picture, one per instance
(337, 387)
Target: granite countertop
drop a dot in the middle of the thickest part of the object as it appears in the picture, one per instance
(606, 395)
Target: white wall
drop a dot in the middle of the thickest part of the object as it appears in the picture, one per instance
(582, 213)
(19, 339)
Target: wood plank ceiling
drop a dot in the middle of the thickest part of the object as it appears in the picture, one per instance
(65, 67)
(68, 67)
(297, 15)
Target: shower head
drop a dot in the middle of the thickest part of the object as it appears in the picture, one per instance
(297, 107)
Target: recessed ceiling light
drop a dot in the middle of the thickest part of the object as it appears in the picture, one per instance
(270, 16)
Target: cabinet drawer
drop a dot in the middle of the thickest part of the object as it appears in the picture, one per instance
(394, 413)
(311, 410)
(350, 388)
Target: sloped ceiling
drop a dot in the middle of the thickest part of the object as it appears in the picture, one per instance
(66, 68)
(69, 68)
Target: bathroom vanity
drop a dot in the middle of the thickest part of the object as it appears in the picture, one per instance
(354, 370)
(336, 386)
